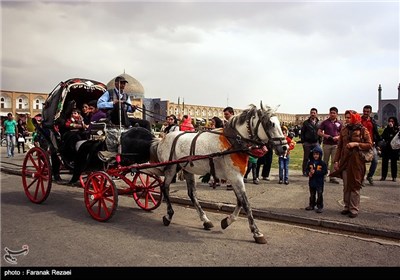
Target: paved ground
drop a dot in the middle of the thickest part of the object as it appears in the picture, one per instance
(379, 213)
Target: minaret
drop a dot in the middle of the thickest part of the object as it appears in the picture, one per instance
(380, 92)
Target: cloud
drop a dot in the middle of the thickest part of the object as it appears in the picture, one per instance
(298, 55)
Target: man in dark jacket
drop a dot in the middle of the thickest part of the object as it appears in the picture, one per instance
(372, 127)
(309, 136)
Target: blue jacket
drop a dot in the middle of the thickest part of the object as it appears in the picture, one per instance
(320, 167)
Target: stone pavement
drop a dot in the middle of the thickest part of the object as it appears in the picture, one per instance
(379, 209)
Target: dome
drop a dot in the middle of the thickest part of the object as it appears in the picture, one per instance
(134, 88)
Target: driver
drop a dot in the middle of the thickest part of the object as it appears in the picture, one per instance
(116, 100)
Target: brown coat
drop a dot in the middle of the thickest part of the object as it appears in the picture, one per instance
(349, 158)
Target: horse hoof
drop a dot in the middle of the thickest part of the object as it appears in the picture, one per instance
(208, 225)
(166, 222)
(224, 223)
(260, 240)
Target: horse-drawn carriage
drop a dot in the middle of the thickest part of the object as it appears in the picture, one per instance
(55, 154)
(142, 159)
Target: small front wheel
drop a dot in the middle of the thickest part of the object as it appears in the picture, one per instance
(36, 175)
(101, 196)
(147, 192)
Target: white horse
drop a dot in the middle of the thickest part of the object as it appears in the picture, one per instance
(221, 152)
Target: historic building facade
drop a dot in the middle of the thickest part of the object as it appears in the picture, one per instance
(155, 110)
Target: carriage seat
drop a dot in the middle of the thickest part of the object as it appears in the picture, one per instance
(98, 130)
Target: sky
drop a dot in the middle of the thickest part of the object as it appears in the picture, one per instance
(291, 55)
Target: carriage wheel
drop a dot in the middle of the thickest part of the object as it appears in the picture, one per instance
(101, 196)
(147, 192)
(36, 175)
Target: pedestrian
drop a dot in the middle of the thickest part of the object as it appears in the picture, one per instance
(10, 130)
(309, 137)
(284, 160)
(317, 170)
(388, 153)
(348, 164)
(329, 130)
(216, 122)
(172, 125)
(251, 167)
(22, 133)
(266, 162)
(372, 127)
(228, 114)
(186, 124)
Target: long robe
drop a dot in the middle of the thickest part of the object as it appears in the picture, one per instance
(349, 158)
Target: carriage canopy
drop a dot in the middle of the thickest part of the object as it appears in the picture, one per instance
(76, 91)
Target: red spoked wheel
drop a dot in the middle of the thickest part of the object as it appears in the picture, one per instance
(36, 175)
(101, 196)
(147, 192)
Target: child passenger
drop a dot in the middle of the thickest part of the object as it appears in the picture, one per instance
(316, 170)
(76, 121)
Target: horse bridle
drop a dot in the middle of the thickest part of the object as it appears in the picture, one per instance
(254, 138)
(271, 140)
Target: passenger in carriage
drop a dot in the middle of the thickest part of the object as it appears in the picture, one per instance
(86, 113)
(75, 121)
(97, 114)
(75, 131)
(116, 100)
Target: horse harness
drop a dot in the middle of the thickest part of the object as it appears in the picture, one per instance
(238, 145)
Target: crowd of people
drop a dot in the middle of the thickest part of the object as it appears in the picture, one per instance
(330, 147)
(342, 144)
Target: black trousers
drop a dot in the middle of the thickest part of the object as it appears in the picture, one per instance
(113, 116)
(266, 161)
(318, 196)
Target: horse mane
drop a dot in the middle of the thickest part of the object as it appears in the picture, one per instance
(266, 113)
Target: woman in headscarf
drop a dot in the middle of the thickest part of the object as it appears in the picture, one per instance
(348, 164)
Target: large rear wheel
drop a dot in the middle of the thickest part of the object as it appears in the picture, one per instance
(147, 192)
(36, 175)
(101, 196)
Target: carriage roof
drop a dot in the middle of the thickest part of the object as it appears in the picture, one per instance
(76, 90)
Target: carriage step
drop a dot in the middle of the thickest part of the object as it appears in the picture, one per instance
(107, 156)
